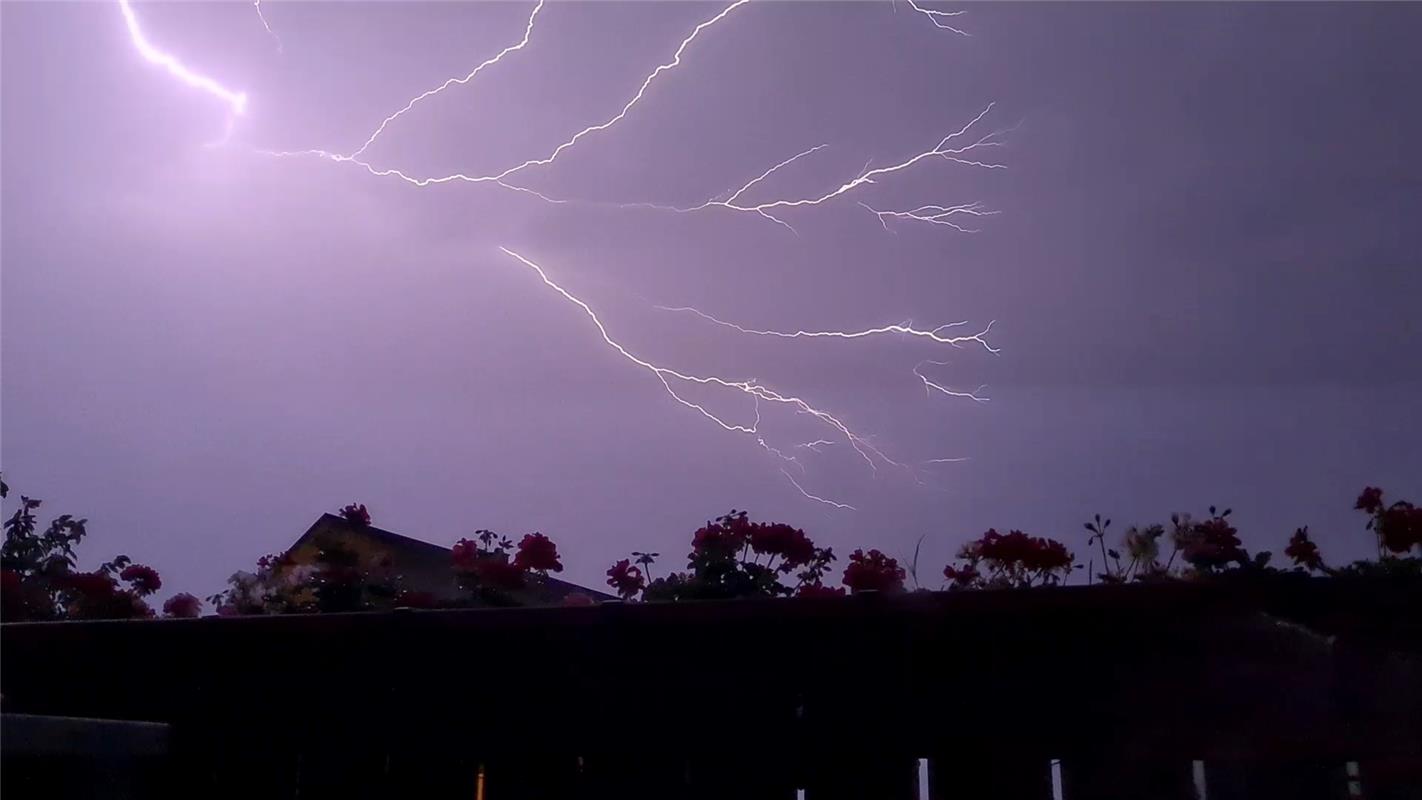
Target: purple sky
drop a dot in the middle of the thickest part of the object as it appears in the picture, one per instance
(1205, 274)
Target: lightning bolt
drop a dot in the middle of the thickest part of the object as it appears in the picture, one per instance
(935, 334)
(956, 147)
(815, 497)
(669, 378)
(944, 150)
(265, 24)
(937, 17)
(499, 177)
(929, 386)
(236, 101)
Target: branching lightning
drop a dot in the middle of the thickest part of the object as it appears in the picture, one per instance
(929, 386)
(957, 147)
(938, 17)
(757, 391)
(905, 329)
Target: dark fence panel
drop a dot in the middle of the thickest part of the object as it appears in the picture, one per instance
(1274, 685)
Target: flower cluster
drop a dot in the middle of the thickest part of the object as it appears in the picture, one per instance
(626, 579)
(537, 553)
(1398, 526)
(143, 579)
(1011, 560)
(489, 567)
(1212, 544)
(873, 572)
(182, 606)
(1303, 551)
(730, 557)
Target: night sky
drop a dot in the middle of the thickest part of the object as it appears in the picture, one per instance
(1204, 276)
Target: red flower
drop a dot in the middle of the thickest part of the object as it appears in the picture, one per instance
(778, 539)
(873, 572)
(1370, 500)
(626, 579)
(818, 590)
(1213, 543)
(1400, 527)
(465, 555)
(145, 579)
(537, 552)
(356, 513)
(1303, 551)
(182, 605)
(497, 573)
(95, 585)
(962, 577)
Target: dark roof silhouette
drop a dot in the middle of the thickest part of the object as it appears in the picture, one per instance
(426, 567)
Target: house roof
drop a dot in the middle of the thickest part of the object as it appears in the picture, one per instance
(426, 566)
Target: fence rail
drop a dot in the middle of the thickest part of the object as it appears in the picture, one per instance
(1287, 688)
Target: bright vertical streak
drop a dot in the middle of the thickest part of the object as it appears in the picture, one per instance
(923, 779)
(263, 18)
(236, 101)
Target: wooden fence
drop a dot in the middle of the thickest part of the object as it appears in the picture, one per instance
(1285, 689)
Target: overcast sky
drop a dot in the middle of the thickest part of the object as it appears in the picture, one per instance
(1205, 273)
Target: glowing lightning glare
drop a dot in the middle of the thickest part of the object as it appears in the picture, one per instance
(236, 101)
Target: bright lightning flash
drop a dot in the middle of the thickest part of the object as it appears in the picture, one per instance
(955, 148)
(236, 101)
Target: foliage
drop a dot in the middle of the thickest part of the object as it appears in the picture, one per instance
(40, 576)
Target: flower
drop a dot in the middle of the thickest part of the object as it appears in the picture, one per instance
(964, 577)
(1370, 500)
(779, 539)
(873, 572)
(626, 579)
(1400, 527)
(1212, 543)
(537, 552)
(145, 579)
(498, 573)
(1143, 544)
(1303, 551)
(356, 513)
(182, 605)
(464, 554)
(818, 590)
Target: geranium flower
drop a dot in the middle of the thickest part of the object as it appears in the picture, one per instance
(144, 579)
(182, 605)
(537, 552)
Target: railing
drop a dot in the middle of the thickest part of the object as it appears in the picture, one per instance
(1291, 688)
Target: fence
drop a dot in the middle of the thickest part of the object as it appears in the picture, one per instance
(1286, 688)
